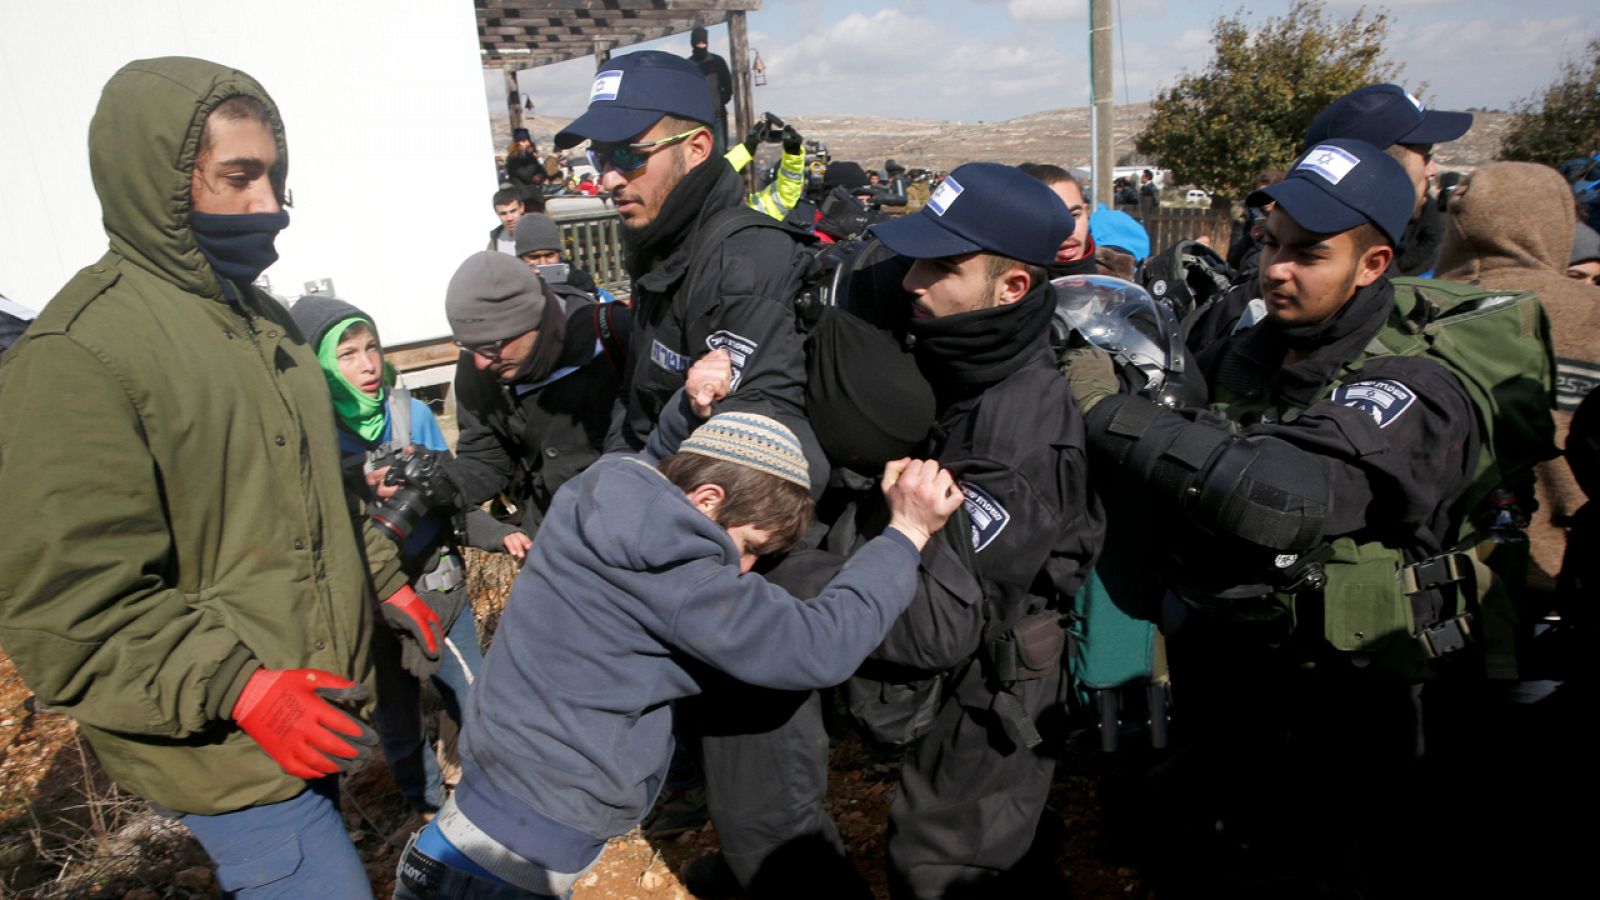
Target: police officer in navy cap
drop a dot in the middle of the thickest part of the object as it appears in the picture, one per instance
(1333, 462)
(973, 788)
(1389, 118)
(649, 138)
(648, 127)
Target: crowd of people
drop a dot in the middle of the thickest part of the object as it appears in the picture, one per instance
(733, 512)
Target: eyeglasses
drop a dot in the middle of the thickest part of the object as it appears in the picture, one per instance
(628, 157)
(490, 351)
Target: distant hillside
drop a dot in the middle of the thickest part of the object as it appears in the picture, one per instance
(1057, 135)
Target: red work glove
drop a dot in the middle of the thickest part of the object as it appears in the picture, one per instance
(419, 631)
(287, 712)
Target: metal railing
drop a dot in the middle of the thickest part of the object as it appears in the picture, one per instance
(593, 240)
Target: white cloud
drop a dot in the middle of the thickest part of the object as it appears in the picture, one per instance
(1487, 63)
(1047, 10)
(892, 63)
(1190, 40)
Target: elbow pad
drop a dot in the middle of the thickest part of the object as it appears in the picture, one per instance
(1262, 490)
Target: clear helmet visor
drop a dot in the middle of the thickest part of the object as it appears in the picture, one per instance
(1122, 319)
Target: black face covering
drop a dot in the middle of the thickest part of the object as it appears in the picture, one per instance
(1358, 313)
(1086, 265)
(648, 245)
(239, 247)
(967, 352)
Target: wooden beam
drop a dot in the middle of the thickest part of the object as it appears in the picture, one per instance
(533, 17)
(513, 101)
(530, 33)
(743, 102)
(501, 6)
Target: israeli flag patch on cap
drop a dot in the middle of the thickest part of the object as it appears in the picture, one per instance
(606, 86)
(1332, 163)
(988, 517)
(1384, 400)
(944, 196)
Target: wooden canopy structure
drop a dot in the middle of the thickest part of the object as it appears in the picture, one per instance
(525, 34)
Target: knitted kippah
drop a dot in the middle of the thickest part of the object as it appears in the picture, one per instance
(763, 444)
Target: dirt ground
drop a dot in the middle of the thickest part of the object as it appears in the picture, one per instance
(65, 831)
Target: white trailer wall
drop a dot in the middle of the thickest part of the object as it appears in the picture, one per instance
(390, 156)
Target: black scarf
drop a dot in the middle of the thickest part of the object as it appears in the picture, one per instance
(1350, 318)
(960, 355)
(1330, 344)
(700, 187)
(239, 247)
(1086, 265)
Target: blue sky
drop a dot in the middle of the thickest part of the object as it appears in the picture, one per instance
(973, 60)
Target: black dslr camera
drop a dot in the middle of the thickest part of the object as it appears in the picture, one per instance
(423, 488)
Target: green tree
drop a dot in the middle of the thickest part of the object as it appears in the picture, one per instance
(1565, 122)
(1248, 110)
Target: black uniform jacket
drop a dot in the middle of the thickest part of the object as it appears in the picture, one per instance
(741, 303)
(1398, 442)
(547, 430)
(1032, 526)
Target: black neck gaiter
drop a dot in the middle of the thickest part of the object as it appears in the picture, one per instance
(238, 247)
(962, 354)
(1376, 299)
(645, 247)
(1084, 265)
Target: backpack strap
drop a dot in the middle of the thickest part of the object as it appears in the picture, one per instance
(713, 232)
(399, 418)
(612, 342)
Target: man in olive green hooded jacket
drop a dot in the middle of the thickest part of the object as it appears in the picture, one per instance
(188, 578)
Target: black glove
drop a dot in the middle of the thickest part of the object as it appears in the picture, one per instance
(792, 142)
(758, 133)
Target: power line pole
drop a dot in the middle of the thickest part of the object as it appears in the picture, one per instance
(1101, 161)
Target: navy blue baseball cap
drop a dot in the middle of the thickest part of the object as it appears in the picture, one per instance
(983, 206)
(631, 92)
(1341, 184)
(1384, 115)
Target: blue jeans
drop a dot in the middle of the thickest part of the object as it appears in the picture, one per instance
(398, 716)
(431, 868)
(294, 849)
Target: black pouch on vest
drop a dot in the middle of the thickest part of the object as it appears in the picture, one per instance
(1032, 648)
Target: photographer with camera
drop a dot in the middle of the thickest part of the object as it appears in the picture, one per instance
(392, 453)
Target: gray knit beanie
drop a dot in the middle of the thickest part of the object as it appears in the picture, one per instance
(1585, 245)
(493, 296)
(763, 444)
(537, 231)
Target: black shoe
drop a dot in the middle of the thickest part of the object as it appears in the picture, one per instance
(676, 813)
(709, 878)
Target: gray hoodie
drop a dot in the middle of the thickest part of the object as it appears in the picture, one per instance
(627, 594)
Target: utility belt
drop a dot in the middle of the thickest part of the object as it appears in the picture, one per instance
(1374, 604)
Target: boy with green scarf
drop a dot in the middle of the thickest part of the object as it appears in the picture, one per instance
(376, 416)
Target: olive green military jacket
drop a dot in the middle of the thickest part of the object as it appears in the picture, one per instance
(170, 475)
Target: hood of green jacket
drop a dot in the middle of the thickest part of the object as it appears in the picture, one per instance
(143, 140)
